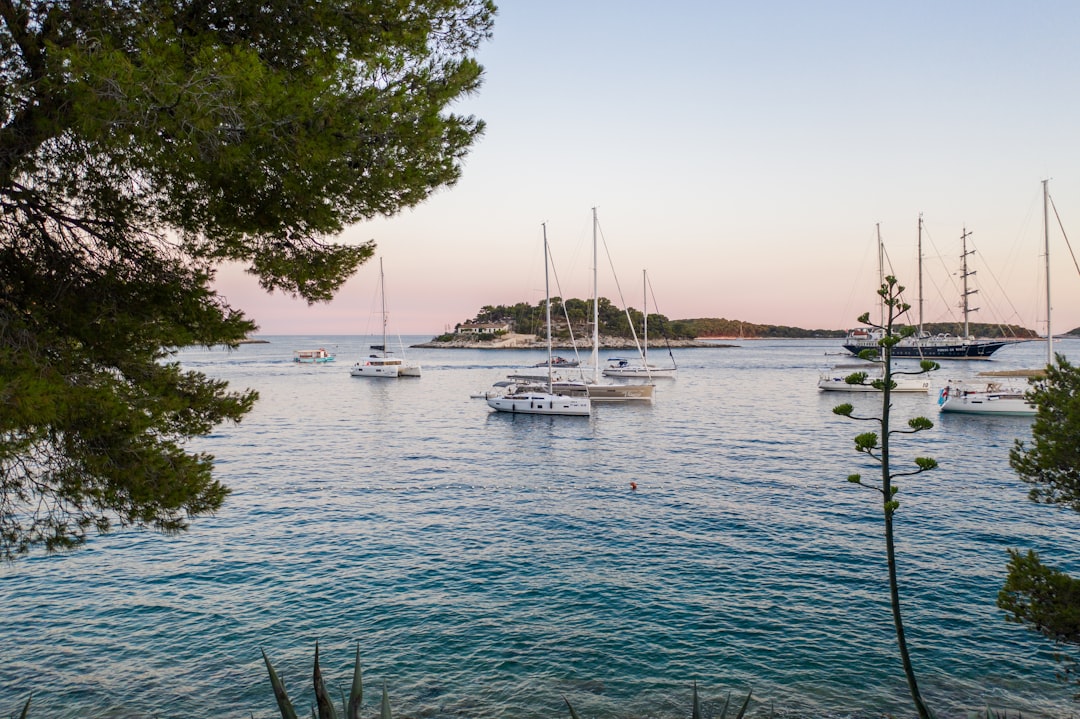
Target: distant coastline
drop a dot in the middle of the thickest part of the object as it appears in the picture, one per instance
(513, 341)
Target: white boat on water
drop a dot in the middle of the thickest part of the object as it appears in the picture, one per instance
(381, 363)
(558, 362)
(969, 397)
(994, 397)
(312, 356)
(835, 380)
(597, 389)
(624, 367)
(545, 400)
(541, 402)
(584, 383)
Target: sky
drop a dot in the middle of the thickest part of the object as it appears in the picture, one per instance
(746, 155)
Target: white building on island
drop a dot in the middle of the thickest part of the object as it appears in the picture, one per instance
(482, 328)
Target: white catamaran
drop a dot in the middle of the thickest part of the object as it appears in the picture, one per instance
(381, 363)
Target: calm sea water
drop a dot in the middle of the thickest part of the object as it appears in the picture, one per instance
(487, 564)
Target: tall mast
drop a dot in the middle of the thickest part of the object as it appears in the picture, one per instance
(382, 293)
(880, 274)
(1046, 241)
(964, 274)
(547, 303)
(595, 307)
(920, 278)
(645, 313)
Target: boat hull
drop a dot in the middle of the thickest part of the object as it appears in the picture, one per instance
(385, 370)
(989, 404)
(620, 392)
(838, 384)
(651, 372)
(934, 348)
(541, 403)
(1001, 402)
(603, 392)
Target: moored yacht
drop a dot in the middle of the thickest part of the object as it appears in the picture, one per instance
(381, 363)
(546, 400)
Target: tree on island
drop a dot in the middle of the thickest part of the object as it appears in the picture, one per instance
(143, 143)
(528, 319)
(1044, 599)
(877, 447)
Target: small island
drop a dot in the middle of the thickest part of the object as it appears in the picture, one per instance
(521, 326)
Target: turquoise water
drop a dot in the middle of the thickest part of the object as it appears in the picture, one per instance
(487, 564)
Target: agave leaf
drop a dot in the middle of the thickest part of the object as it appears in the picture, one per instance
(742, 709)
(727, 701)
(695, 712)
(384, 711)
(322, 698)
(26, 707)
(286, 707)
(573, 714)
(356, 695)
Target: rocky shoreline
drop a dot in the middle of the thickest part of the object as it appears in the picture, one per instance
(518, 342)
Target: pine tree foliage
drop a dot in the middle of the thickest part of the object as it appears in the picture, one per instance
(1045, 600)
(1042, 598)
(1051, 462)
(143, 143)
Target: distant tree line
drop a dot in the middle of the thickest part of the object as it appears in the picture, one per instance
(979, 329)
(575, 316)
(714, 327)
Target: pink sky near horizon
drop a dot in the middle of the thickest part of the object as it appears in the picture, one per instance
(742, 154)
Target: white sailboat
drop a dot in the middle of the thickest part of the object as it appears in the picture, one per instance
(594, 387)
(537, 401)
(624, 367)
(994, 397)
(381, 363)
(969, 397)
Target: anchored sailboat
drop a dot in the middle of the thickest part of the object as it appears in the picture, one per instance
(596, 389)
(623, 367)
(381, 363)
(533, 401)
